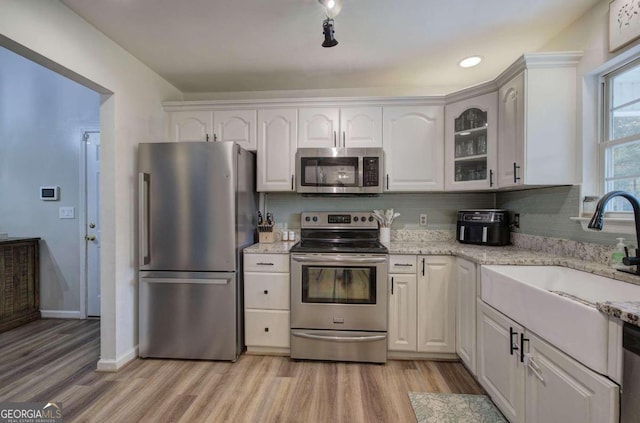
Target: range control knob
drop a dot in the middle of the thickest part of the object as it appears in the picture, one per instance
(355, 219)
(315, 218)
(363, 218)
(307, 219)
(370, 218)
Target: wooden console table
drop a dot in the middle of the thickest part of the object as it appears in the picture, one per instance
(19, 282)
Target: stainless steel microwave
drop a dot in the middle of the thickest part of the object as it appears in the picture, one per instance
(339, 170)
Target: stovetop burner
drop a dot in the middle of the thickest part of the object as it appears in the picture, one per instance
(340, 232)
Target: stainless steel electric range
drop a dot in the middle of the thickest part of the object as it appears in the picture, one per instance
(339, 289)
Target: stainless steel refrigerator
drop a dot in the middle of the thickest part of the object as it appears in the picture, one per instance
(196, 207)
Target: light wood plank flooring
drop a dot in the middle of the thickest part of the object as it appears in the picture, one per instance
(54, 360)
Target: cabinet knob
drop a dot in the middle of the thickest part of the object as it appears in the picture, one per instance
(266, 329)
(266, 292)
(90, 237)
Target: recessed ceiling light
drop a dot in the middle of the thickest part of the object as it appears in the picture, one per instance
(470, 61)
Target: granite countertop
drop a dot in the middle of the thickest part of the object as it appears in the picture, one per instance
(628, 311)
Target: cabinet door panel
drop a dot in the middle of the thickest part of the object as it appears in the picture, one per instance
(561, 390)
(466, 313)
(361, 127)
(318, 127)
(511, 131)
(266, 290)
(267, 328)
(191, 126)
(414, 148)
(402, 312)
(277, 143)
(436, 305)
(499, 372)
(236, 125)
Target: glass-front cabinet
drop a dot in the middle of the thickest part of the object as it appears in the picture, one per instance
(471, 143)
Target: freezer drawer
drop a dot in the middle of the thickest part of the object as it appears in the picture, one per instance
(188, 316)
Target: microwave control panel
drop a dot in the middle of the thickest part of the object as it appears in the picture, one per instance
(370, 171)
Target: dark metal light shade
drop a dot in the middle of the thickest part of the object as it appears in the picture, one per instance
(327, 30)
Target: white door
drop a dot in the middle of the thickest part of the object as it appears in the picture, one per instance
(559, 389)
(277, 143)
(318, 127)
(402, 312)
(361, 127)
(500, 371)
(436, 305)
(413, 141)
(92, 230)
(466, 313)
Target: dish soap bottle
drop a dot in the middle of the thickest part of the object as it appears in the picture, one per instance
(618, 254)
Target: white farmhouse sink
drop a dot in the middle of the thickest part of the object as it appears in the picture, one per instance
(525, 294)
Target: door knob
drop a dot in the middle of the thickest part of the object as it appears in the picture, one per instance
(92, 225)
(90, 237)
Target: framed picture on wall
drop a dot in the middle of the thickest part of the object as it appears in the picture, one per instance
(624, 22)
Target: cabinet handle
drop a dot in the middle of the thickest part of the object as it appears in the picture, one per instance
(490, 177)
(513, 345)
(522, 341)
(516, 178)
(392, 285)
(344, 138)
(423, 266)
(264, 264)
(403, 264)
(292, 180)
(387, 181)
(266, 292)
(207, 137)
(335, 139)
(266, 329)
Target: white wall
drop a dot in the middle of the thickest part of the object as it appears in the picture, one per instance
(42, 116)
(130, 113)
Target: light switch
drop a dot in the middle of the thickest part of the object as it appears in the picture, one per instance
(67, 213)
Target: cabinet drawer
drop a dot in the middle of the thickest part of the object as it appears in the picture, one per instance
(266, 262)
(266, 290)
(402, 264)
(267, 328)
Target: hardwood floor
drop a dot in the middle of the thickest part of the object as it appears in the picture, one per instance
(54, 360)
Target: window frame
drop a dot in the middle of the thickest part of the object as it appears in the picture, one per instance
(604, 130)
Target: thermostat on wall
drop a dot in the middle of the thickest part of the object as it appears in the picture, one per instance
(50, 193)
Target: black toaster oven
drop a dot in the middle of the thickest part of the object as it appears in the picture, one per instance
(483, 227)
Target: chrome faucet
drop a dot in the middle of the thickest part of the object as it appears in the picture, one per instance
(597, 221)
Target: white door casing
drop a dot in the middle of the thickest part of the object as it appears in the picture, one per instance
(92, 228)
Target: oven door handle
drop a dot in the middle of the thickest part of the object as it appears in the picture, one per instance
(315, 259)
(369, 338)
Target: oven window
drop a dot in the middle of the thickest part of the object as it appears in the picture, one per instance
(329, 171)
(341, 285)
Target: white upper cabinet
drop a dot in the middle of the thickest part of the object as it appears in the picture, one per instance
(277, 143)
(191, 126)
(471, 143)
(350, 127)
(413, 144)
(537, 121)
(219, 125)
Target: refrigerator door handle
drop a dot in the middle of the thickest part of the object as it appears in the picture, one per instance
(143, 218)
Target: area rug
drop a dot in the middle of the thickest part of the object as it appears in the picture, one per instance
(454, 408)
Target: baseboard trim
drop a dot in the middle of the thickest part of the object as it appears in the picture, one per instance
(60, 314)
(115, 365)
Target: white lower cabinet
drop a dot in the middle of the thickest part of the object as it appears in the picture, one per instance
(421, 304)
(266, 303)
(466, 275)
(531, 381)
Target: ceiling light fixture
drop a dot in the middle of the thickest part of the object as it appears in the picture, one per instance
(327, 30)
(470, 62)
(331, 9)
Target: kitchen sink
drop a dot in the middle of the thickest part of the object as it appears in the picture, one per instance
(558, 304)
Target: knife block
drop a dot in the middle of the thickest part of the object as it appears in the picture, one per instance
(266, 235)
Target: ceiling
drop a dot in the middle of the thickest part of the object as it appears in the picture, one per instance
(258, 45)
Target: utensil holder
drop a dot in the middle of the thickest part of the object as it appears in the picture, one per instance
(385, 235)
